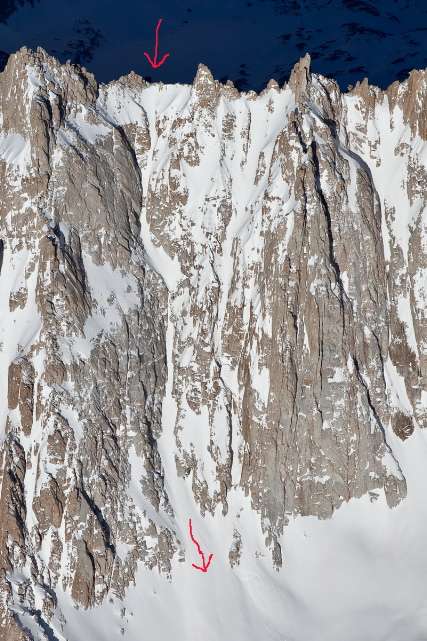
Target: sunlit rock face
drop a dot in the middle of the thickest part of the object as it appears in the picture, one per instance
(213, 306)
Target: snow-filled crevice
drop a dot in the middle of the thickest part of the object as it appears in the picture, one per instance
(376, 416)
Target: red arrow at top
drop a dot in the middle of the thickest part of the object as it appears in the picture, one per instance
(204, 567)
(154, 62)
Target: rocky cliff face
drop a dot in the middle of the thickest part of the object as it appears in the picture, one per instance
(213, 306)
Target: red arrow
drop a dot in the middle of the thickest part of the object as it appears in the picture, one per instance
(204, 566)
(154, 62)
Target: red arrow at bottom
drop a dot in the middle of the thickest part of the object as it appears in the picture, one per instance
(204, 567)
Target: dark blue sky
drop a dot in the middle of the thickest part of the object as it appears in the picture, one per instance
(249, 41)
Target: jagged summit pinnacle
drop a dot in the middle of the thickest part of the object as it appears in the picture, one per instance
(206, 88)
(300, 76)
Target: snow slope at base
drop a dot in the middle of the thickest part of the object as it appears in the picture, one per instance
(357, 577)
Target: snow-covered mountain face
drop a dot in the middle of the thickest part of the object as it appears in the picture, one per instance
(213, 308)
